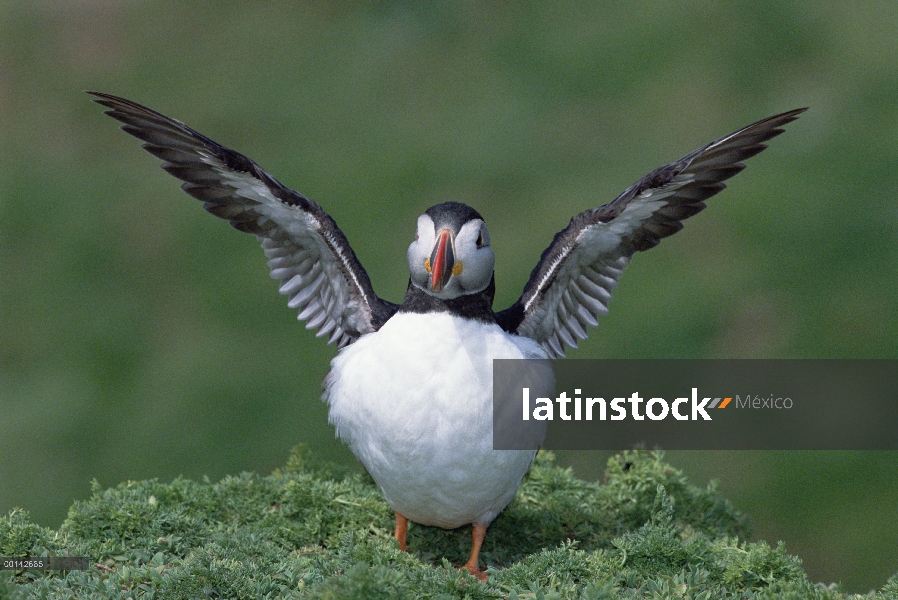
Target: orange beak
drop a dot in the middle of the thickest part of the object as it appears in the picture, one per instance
(442, 259)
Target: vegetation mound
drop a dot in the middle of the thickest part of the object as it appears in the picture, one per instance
(312, 530)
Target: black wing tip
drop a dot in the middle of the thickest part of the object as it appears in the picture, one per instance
(112, 101)
(792, 113)
(763, 130)
(784, 117)
(777, 121)
(103, 96)
(122, 109)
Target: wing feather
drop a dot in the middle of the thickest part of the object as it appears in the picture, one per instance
(306, 251)
(571, 285)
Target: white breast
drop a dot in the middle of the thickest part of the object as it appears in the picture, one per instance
(414, 403)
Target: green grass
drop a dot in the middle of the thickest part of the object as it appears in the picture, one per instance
(311, 530)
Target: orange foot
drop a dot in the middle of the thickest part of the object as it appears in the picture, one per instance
(475, 571)
(401, 530)
(477, 535)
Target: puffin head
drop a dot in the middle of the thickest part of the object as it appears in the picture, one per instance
(451, 254)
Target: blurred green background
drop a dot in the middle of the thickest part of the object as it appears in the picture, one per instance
(140, 337)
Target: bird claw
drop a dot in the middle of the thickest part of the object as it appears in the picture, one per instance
(475, 571)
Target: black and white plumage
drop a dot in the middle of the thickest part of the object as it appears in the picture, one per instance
(410, 391)
(572, 284)
(306, 250)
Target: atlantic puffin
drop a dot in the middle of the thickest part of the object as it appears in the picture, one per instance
(410, 389)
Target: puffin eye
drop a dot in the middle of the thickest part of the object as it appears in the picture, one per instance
(483, 237)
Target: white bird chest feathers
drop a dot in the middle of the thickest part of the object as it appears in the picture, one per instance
(414, 403)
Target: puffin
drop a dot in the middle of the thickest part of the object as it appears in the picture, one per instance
(410, 391)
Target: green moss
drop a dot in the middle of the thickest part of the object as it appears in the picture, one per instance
(314, 531)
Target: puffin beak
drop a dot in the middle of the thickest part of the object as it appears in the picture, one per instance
(442, 259)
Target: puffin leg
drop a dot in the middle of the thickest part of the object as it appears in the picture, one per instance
(478, 532)
(401, 530)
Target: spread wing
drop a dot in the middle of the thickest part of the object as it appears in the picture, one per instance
(306, 250)
(572, 284)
